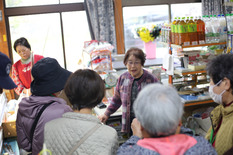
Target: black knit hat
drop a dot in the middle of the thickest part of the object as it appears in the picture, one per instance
(49, 77)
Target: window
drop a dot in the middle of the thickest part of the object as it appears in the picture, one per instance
(43, 33)
(186, 10)
(135, 17)
(71, 1)
(75, 34)
(57, 33)
(144, 15)
(20, 3)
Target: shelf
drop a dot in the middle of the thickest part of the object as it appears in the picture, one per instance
(198, 102)
(188, 72)
(200, 45)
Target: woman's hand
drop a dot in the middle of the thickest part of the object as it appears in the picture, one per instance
(103, 118)
(136, 128)
(27, 92)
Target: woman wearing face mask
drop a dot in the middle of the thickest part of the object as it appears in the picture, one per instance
(220, 70)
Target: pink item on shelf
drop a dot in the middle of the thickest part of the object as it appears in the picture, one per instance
(150, 49)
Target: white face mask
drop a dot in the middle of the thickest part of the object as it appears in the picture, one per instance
(216, 97)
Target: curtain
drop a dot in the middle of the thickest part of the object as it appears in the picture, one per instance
(100, 14)
(212, 7)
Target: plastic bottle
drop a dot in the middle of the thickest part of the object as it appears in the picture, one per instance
(208, 29)
(173, 30)
(177, 32)
(223, 28)
(231, 23)
(216, 29)
(228, 24)
(162, 33)
(183, 33)
(211, 32)
(192, 32)
(201, 30)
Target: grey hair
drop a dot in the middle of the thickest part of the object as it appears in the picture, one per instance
(159, 109)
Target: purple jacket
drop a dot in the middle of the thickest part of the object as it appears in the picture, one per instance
(29, 107)
(122, 96)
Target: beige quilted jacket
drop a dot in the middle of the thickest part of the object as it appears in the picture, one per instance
(63, 133)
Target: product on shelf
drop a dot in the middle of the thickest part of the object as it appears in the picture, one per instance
(183, 33)
(200, 31)
(176, 32)
(216, 30)
(192, 31)
(208, 29)
(173, 31)
(98, 55)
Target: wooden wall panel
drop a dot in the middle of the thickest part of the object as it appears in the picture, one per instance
(3, 44)
(119, 26)
(3, 36)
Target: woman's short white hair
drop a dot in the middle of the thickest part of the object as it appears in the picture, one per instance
(159, 109)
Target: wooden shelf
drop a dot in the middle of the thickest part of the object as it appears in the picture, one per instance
(188, 72)
(198, 103)
(200, 45)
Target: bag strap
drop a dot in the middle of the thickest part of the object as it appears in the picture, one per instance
(37, 119)
(90, 132)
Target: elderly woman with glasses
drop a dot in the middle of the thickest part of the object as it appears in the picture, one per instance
(220, 70)
(128, 86)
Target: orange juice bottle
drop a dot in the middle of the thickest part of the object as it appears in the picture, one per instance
(176, 31)
(201, 31)
(192, 30)
(173, 31)
(183, 33)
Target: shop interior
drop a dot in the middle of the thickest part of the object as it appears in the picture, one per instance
(96, 35)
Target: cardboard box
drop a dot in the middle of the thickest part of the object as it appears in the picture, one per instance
(9, 129)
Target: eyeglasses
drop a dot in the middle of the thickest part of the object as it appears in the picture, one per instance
(136, 63)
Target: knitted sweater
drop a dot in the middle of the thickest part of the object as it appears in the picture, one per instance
(224, 137)
(122, 96)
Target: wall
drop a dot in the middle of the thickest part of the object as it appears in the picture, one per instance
(4, 46)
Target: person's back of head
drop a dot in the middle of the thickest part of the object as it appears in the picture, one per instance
(5, 65)
(49, 77)
(84, 89)
(159, 109)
